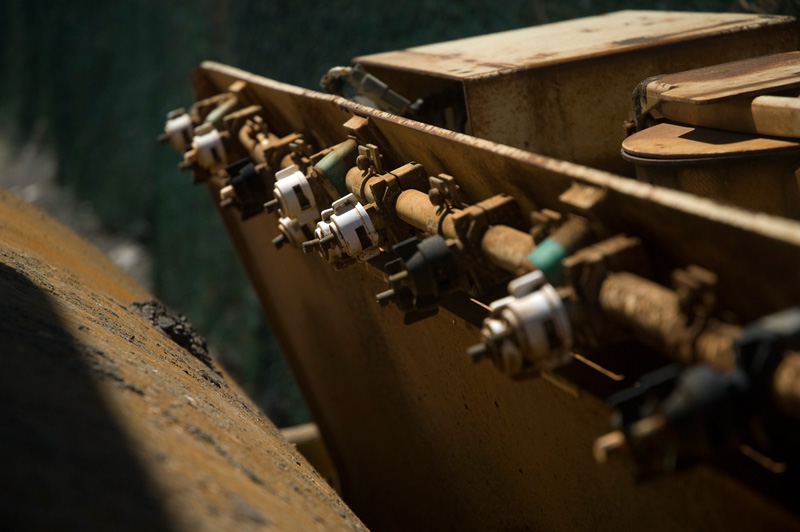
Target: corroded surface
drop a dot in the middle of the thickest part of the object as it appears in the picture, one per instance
(676, 141)
(541, 46)
(424, 439)
(108, 424)
(563, 89)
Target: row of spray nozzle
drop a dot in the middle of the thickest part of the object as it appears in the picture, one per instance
(573, 286)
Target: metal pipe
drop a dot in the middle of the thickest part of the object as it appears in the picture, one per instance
(506, 247)
(358, 182)
(355, 180)
(653, 312)
(570, 236)
(336, 164)
(503, 246)
(415, 208)
(215, 117)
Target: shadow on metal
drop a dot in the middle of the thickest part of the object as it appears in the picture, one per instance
(64, 462)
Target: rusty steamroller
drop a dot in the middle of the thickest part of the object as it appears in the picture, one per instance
(544, 279)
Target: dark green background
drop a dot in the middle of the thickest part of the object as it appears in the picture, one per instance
(102, 76)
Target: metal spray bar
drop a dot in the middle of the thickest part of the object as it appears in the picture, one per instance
(578, 272)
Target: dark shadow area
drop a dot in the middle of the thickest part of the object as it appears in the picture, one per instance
(64, 462)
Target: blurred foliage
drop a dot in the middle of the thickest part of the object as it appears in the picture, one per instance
(102, 75)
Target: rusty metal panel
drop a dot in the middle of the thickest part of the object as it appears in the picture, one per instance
(564, 89)
(696, 132)
(757, 173)
(573, 40)
(108, 423)
(424, 439)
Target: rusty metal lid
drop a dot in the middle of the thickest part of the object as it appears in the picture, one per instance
(546, 45)
(676, 142)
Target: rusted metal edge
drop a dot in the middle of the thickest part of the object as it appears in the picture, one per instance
(659, 215)
(737, 79)
(743, 23)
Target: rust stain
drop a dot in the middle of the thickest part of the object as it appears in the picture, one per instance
(95, 397)
(705, 31)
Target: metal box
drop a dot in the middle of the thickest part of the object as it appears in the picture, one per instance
(564, 89)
